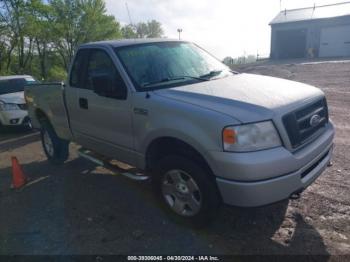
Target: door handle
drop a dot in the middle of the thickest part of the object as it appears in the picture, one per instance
(83, 103)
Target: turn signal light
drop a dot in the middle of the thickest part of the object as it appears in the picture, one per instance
(229, 136)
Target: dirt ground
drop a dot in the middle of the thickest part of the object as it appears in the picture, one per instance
(79, 208)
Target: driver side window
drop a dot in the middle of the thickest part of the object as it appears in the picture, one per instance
(101, 65)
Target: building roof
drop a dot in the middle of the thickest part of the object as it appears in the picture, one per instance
(312, 13)
(127, 42)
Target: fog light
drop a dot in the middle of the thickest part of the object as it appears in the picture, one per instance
(14, 121)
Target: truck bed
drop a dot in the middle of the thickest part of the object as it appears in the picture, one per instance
(48, 99)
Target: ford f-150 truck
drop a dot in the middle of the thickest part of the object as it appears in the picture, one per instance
(204, 134)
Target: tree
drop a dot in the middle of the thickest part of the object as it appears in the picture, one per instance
(14, 18)
(151, 29)
(229, 61)
(41, 30)
(3, 44)
(141, 30)
(154, 29)
(77, 22)
(128, 31)
(39, 37)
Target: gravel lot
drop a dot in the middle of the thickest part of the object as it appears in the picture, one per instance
(83, 209)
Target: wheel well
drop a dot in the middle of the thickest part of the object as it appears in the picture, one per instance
(165, 146)
(41, 116)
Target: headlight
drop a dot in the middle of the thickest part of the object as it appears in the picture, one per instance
(251, 137)
(8, 107)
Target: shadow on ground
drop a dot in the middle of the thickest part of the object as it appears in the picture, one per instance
(83, 209)
(12, 138)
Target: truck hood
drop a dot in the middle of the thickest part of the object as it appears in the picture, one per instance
(15, 98)
(245, 97)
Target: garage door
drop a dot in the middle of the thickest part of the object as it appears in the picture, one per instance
(335, 41)
(291, 43)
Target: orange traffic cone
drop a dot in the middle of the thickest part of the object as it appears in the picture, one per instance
(18, 177)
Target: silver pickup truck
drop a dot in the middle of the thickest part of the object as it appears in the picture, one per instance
(204, 134)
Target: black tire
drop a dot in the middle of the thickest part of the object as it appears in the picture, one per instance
(60, 148)
(205, 182)
(28, 125)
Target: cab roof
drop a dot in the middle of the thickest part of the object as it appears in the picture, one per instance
(129, 42)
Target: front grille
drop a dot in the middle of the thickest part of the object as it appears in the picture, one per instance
(298, 123)
(23, 106)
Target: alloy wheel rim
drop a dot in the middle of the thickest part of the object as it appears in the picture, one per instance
(181, 193)
(29, 124)
(48, 144)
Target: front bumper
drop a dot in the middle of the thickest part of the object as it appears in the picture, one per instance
(253, 194)
(14, 118)
(261, 178)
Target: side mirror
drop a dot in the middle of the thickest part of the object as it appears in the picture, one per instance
(104, 85)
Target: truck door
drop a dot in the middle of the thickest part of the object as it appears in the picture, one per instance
(71, 90)
(102, 120)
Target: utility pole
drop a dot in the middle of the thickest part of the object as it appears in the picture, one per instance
(179, 31)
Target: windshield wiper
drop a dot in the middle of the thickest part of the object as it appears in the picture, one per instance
(170, 79)
(211, 74)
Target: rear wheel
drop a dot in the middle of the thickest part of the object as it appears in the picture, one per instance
(186, 190)
(55, 148)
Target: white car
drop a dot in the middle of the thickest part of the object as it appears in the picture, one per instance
(13, 108)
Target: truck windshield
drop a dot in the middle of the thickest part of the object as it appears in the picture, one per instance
(168, 64)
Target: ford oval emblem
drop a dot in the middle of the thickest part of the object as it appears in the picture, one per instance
(315, 120)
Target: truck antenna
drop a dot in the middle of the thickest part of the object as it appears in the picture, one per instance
(127, 9)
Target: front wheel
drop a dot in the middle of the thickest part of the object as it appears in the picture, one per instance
(27, 124)
(55, 148)
(187, 190)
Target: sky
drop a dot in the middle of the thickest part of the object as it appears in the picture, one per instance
(223, 27)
